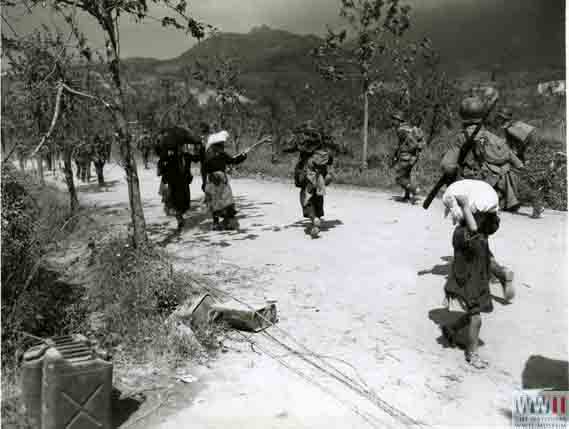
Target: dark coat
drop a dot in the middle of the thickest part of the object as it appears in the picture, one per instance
(175, 170)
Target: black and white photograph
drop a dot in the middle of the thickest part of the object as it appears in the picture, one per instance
(284, 214)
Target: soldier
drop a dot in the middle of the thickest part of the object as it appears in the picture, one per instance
(489, 160)
(540, 153)
(411, 141)
(204, 133)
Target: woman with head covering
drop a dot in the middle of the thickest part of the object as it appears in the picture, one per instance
(174, 166)
(311, 173)
(219, 197)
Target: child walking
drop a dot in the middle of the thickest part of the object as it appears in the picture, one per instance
(469, 282)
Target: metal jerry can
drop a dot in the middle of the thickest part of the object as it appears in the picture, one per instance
(66, 384)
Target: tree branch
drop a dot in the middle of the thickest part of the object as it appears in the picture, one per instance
(83, 94)
(53, 120)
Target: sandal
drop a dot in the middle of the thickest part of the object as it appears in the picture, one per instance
(476, 361)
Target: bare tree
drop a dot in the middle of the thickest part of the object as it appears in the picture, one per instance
(372, 23)
(107, 14)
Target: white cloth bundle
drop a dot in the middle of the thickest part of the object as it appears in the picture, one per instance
(481, 196)
(219, 137)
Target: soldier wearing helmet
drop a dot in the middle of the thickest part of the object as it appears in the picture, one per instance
(411, 141)
(542, 155)
(490, 160)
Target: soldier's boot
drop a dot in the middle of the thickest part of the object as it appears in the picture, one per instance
(506, 278)
(413, 190)
(537, 212)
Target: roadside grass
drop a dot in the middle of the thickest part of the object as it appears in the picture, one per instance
(131, 291)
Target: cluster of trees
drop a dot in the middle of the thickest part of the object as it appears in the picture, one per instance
(63, 93)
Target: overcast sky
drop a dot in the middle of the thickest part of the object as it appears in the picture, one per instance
(299, 16)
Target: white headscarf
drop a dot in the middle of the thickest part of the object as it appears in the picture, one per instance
(216, 138)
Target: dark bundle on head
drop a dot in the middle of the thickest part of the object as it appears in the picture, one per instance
(488, 223)
(311, 137)
(204, 128)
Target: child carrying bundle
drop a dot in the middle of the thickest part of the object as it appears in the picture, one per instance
(474, 207)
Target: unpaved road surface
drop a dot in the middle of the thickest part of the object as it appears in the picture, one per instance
(368, 295)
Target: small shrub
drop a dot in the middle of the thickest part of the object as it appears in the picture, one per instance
(135, 289)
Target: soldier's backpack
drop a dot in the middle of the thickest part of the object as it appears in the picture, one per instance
(496, 150)
(520, 131)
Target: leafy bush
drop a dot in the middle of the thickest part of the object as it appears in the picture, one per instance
(135, 290)
(34, 300)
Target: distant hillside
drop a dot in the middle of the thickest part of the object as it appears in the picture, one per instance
(270, 57)
(265, 56)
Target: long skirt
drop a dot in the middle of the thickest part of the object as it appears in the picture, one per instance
(507, 188)
(312, 204)
(468, 300)
(175, 197)
(219, 197)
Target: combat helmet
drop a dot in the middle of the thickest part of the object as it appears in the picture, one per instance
(472, 110)
(399, 115)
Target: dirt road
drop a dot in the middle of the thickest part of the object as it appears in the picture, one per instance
(368, 292)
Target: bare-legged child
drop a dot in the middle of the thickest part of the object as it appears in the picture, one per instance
(470, 277)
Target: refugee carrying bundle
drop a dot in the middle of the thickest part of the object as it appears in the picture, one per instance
(481, 196)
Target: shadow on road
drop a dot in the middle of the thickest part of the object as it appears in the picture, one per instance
(541, 372)
(123, 408)
(444, 317)
(402, 200)
(325, 226)
(199, 224)
(96, 188)
(439, 269)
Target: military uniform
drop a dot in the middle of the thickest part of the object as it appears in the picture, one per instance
(490, 160)
(411, 143)
(537, 151)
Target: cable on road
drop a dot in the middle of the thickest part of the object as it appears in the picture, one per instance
(357, 386)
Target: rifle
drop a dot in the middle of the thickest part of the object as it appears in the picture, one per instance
(464, 150)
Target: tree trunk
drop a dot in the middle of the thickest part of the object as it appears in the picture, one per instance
(49, 160)
(68, 171)
(39, 161)
(129, 164)
(139, 236)
(22, 160)
(99, 165)
(365, 129)
(275, 146)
